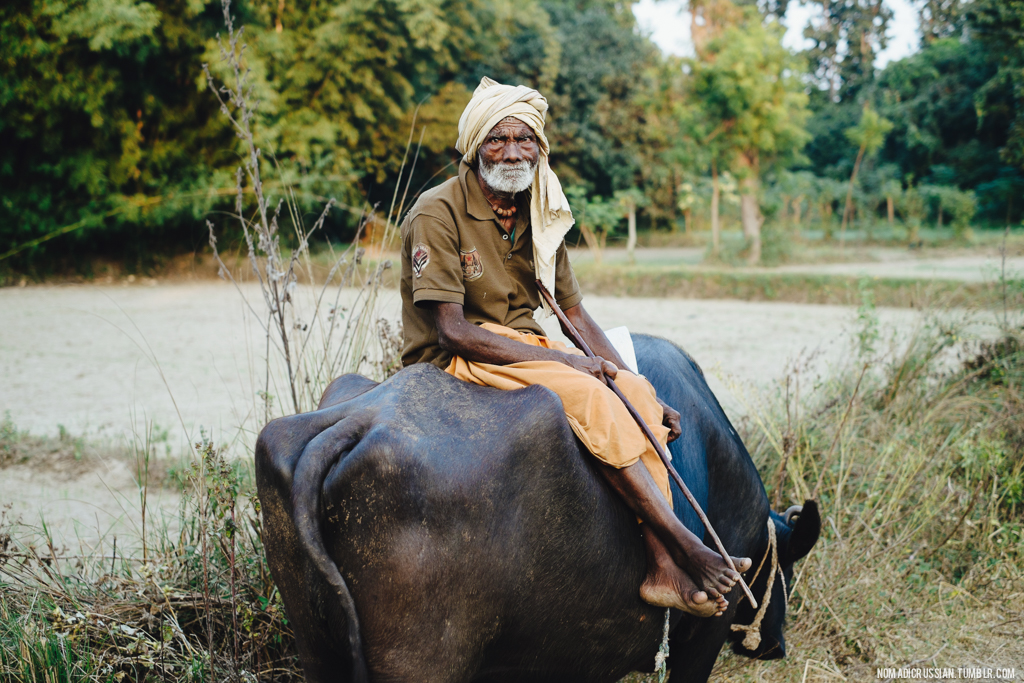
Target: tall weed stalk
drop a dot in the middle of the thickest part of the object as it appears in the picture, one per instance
(318, 327)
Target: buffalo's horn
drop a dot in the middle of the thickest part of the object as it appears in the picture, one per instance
(792, 513)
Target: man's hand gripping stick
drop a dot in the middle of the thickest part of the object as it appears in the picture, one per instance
(582, 345)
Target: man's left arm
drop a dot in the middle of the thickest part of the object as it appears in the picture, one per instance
(601, 346)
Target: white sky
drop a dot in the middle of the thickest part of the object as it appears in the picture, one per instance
(669, 26)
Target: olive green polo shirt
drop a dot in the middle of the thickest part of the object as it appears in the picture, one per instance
(454, 250)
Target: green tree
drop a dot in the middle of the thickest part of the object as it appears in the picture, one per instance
(629, 201)
(911, 205)
(999, 25)
(105, 121)
(594, 68)
(869, 136)
(930, 98)
(891, 189)
(827, 192)
(848, 36)
(336, 81)
(101, 125)
(1006, 189)
(596, 218)
(749, 90)
(941, 19)
(933, 98)
(959, 204)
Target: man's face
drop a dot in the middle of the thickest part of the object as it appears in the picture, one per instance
(509, 156)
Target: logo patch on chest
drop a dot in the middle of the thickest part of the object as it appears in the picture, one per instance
(472, 265)
(420, 259)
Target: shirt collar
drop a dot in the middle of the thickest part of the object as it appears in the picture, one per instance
(477, 205)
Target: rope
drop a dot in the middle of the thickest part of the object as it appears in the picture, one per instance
(753, 638)
(660, 668)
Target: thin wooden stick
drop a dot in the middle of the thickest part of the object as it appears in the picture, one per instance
(578, 340)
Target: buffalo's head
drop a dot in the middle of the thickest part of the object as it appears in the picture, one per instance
(796, 532)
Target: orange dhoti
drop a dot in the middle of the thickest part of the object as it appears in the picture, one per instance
(595, 413)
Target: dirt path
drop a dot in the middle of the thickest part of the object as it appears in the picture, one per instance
(101, 360)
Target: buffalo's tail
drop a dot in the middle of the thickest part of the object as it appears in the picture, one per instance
(338, 607)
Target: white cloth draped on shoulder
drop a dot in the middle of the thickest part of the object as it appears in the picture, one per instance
(550, 215)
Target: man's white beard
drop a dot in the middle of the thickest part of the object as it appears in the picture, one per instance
(510, 178)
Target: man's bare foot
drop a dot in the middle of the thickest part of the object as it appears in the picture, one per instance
(667, 585)
(678, 591)
(707, 568)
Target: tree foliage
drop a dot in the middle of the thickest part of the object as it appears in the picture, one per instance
(999, 25)
(846, 39)
(107, 132)
(99, 113)
(754, 106)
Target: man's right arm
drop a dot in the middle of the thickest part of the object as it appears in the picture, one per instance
(458, 336)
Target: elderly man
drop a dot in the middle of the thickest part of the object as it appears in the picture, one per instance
(472, 250)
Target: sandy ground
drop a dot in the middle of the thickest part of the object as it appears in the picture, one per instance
(99, 502)
(103, 360)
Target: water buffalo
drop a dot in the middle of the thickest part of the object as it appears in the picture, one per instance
(425, 529)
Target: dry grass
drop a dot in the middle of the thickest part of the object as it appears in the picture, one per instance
(700, 283)
(188, 601)
(920, 474)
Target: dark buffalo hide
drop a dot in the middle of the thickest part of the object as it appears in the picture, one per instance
(429, 530)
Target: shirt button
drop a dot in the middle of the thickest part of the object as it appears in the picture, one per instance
(504, 237)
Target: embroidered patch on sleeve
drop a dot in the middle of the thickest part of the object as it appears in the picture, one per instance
(472, 265)
(420, 259)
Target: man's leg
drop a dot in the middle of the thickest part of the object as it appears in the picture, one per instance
(682, 571)
(607, 430)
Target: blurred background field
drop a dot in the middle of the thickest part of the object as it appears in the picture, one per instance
(821, 201)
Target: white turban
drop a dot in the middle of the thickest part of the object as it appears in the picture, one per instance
(550, 216)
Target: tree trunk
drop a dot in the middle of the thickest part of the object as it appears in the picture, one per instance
(798, 205)
(752, 219)
(890, 210)
(915, 230)
(631, 239)
(715, 194)
(674, 191)
(592, 241)
(688, 218)
(849, 197)
(750, 209)
(939, 225)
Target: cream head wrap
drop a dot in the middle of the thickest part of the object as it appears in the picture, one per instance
(550, 216)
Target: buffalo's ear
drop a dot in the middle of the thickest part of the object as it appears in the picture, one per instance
(806, 529)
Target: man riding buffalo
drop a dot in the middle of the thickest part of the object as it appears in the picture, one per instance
(472, 251)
